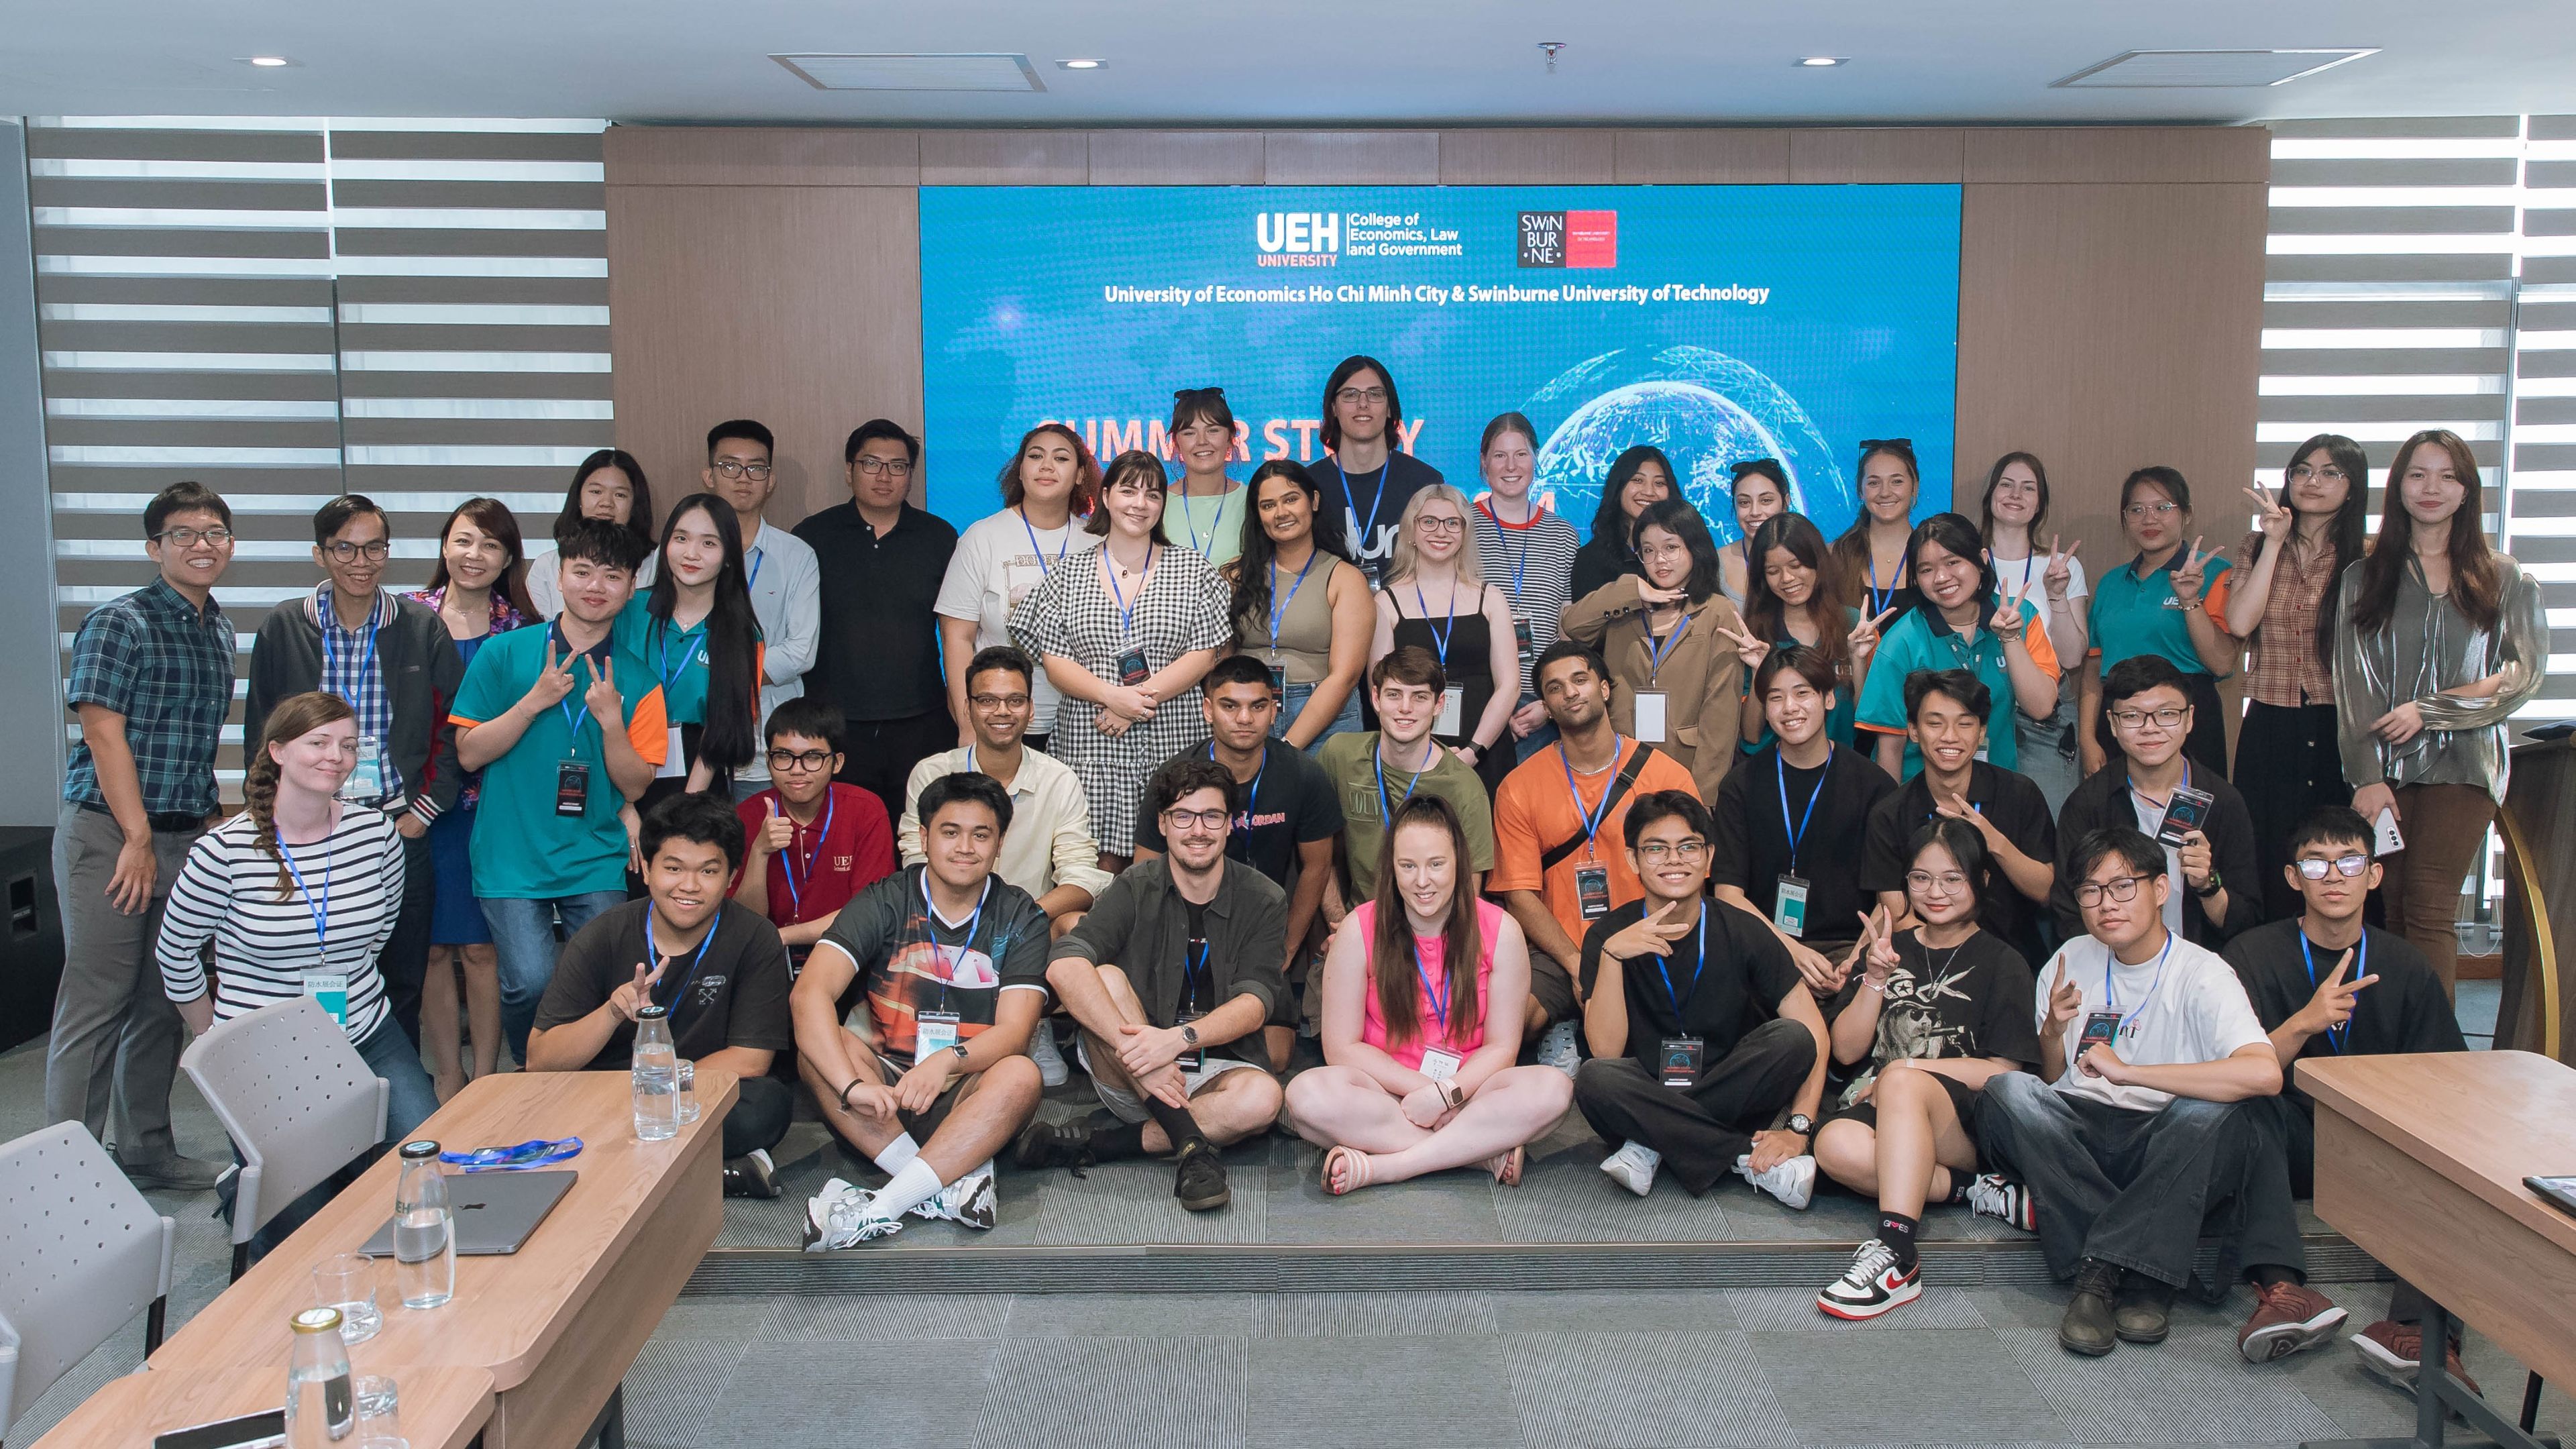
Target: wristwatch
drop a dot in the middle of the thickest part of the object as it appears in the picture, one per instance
(958, 1047)
(1802, 1124)
(2210, 887)
(1189, 1034)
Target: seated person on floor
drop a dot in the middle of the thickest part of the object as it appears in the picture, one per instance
(949, 962)
(2213, 894)
(1172, 976)
(1557, 819)
(813, 842)
(720, 972)
(2134, 1131)
(2326, 985)
(1945, 711)
(1285, 828)
(1941, 1007)
(1791, 820)
(1701, 1030)
(1413, 1080)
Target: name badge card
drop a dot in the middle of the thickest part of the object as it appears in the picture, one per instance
(572, 788)
(1440, 1066)
(2100, 1028)
(1789, 907)
(1521, 639)
(1650, 716)
(1131, 668)
(674, 758)
(1592, 891)
(366, 782)
(2183, 814)
(1279, 680)
(933, 1031)
(1453, 709)
(332, 990)
(1678, 1060)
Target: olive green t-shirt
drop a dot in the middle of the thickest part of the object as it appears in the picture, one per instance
(1369, 797)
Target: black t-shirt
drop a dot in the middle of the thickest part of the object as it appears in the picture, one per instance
(1293, 804)
(2018, 810)
(2403, 1011)
(879, 655)
(1971, 1000)
(1373, 503)
(910, 961)
(1734, 986)
(734, 994)
(1751, 850)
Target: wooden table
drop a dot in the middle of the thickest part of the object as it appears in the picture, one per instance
(556, 1324)
(441, 1408)
(2420, 1162)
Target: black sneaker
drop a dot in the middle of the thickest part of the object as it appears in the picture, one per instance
(1050, 1144)
(2142, 1312)
(1199, 1181)
(751, 1175)
(2087, 1328)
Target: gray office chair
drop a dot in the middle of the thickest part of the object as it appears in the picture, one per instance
(82, 1252)
(297, 1100)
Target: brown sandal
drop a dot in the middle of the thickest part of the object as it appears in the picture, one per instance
(1506, 1166)
(1357, 1169)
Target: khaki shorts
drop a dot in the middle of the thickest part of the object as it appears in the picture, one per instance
(1126, 1106)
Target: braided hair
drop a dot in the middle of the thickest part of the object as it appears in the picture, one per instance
(295, 716)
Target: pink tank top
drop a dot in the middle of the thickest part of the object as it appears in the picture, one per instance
(1463, 1038)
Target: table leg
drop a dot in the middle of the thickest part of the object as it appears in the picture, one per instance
(2437, 1395)
(2432, 1368)
(609, 1432)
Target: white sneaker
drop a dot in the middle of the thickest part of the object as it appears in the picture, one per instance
(1996, 1196)
(969, 1201)
(843, 1215)
(1557, 1048)
(1633, 1167)
(1792, 1182)
(1872, 1285)
(1042, 1050)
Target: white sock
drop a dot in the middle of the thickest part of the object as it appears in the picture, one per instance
(898, 1154)
(917, 1183)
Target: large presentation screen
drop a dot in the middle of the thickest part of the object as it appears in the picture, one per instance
(1719, 323)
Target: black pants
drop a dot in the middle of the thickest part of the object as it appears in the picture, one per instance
(405, 957)
(2294, 1123)
(763, 1107)
(2287, 764)
(1702, 1128)
(883, 751)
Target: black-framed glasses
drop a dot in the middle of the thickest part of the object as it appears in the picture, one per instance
(2344, 865)
(2118, 888)
(735, 472)
(1354, 396)
(1200, 819)
(783, 761)
(343, 551)
(998, 701)
(2165, 719)
(191, 537)
(887, 467)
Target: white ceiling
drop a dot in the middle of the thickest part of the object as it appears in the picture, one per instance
(1228, 62)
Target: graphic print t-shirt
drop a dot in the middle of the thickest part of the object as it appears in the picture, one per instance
(1967, 1002)
(911, 961)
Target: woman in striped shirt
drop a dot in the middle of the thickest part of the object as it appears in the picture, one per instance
(298, 893)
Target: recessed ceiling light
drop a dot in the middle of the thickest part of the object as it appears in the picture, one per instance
(267, 62)
(1083, 64)
(1821, 61)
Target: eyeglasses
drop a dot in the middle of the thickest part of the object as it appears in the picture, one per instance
(886, 467)
(1429, 524)
(2329, 473)
(2165, 719)
(2344, 865)
(1354, 396)
(1948, 883)
(732, 471)
(793, 760)
(191, 537)
(347, 552)
(2118, 888)
(2144, 511)
(998, 701)
(1195, 819)
(1657, 852)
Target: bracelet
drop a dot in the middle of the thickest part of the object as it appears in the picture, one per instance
(844, 1097)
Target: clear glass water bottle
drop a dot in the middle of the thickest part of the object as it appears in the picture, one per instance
(656, 1076)
(424, 1229)
(320, 1410)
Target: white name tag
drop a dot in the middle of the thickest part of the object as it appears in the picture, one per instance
(1650, 716)
(674, 759)
(366, 782)
(1453, 708)
(1789, 907)
(934, 1031)
(332, 990)
(1440, 1066)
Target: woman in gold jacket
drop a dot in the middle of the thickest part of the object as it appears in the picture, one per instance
(1670, 641)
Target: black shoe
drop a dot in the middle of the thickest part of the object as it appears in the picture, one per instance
(1047, 1144)
(2142, 1312)
(751, 1175)
(171, 1174)
(1199, 1182)
(2087, 1328)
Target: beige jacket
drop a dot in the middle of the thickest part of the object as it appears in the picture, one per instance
(1702, 677)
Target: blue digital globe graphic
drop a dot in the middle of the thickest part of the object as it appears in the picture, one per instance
(1706, 410)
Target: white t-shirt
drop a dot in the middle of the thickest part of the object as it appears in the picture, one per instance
(999, 561)
(787, 599)
(2151, 818)
(2016, 574)
(2198, 1012)
(545, 588)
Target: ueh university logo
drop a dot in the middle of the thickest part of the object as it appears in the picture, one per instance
(1298, 238)
(1569, 239)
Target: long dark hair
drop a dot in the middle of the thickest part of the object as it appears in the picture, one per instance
(2350, 530)
(1607, 521)
(1676, 516)
(296, 715)
(639, 514)
(2477, 589)
(495, 518)
(732, 731)
(1392, 972)
(1251, 567)
(1144, 466)
(1086, 470)
(1767, 614)
(1994, 476)
(1351, 367)
(1955, 534)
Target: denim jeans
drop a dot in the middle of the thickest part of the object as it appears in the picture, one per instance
(1293, 703)
(409, 1099)
(1536, 740)
(523, 936)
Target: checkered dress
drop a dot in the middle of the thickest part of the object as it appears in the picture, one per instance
(154, 658)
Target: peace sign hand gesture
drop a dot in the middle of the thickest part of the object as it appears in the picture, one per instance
(2060, 574)
(2272, 514)
(606, 705)
(1863, 639)
(2188, 574)
(1748, 648)
(1878, 945)
(2008, 622)
(552, 682)
(2332, 1005)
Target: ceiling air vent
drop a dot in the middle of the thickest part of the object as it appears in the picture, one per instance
(957, 72)
(2208, 69)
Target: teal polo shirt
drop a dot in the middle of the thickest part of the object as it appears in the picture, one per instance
(1923, 640)
(2131, 616)
(655, 652)
(522, 849)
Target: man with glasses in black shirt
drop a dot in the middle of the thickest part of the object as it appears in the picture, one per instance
(1369, 475)
(2212, 868)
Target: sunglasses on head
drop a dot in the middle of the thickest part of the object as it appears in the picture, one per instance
(1875, 445)
(1755, 465)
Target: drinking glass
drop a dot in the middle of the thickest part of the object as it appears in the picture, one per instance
(379, 1404)
(347, 1282)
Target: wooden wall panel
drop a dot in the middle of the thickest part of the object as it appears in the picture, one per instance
(2120, 153)
(1176, 158)
(1005, 158)
(1351, 158)
(1707, 158)
(1876, 155)
(1527, 157)
(796, 305)
(761, 156)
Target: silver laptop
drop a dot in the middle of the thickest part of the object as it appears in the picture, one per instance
(496, 1212)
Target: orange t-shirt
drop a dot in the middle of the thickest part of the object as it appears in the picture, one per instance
(1535, 810)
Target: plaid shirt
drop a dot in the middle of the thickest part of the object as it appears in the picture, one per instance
(353, 670)
(168, 669)
(2283, 666)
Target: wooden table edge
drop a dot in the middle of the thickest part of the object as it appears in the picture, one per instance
(2317, 1077)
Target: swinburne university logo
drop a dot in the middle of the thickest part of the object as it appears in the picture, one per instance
(1569, 239)
(1298, 238)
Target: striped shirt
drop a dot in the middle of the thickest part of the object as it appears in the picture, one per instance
(265, 946)
(1533, 564)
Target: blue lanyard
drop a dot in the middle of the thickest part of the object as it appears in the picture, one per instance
(1126, 610)
(366, 661)
(689, 639)
(1377, 500)
(537, 1153)
(1278, 605)
(704, 942)
(1439, 998)
(2339, 1037)
(1592, 816)
(795, 880)
(1189, 520)
(1045, 568)
(1798, 832)
(930, 921)
(1243, 822)
(753, 582)
(320, 908)
(1878, 600)
(1194, 969)
(1386, 806)
(1664, 963)
(1656, 655)
(2111, 996)
(571, 706)
(1447, 629)
(1520, 560)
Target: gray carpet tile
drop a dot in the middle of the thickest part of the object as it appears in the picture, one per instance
(1110, 1393)
(673, 1386)
(1317, 1392)
(1443, 1207)
(781, 1397)
(1794, 1310)
(1566, 1198)
(1134, 1315)
(1903, 1384)
(1677, 1388)
(2192, 1388)
(875, 1317)
(1132, 1202)
(1379, 1315)
(1615, 1311)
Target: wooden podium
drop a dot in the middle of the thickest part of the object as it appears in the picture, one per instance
(2538, 825)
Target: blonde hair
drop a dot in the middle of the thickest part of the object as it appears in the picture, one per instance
(296, 716)
(1404, 558)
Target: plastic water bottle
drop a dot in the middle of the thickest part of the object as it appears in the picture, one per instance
(320, 1409)
(656, 1077)
(424, 1229)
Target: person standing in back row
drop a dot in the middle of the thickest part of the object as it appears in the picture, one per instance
(609, 485)
(1669, 639)
(1529, 553)
(882, 562)
(1471, 634)
(785, 580)
(1206, 506)
(1370, 475)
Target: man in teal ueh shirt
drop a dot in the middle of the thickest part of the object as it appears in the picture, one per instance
(562, 752)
